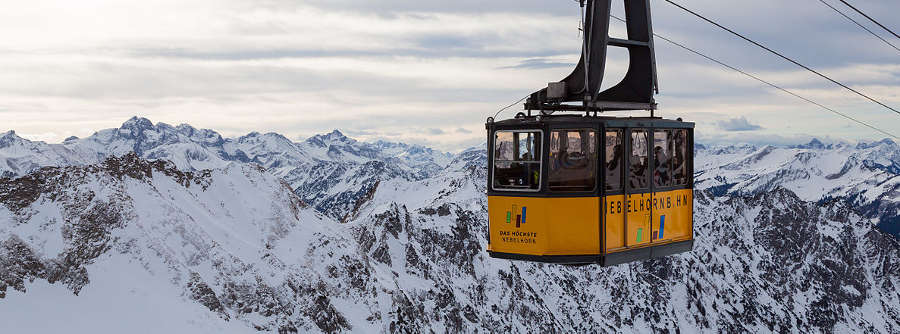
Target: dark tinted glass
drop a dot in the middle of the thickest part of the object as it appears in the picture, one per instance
(639, 163)
(615, 157)
(573, 160)
(662, 159)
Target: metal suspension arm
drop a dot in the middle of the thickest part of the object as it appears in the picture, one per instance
(634, 92)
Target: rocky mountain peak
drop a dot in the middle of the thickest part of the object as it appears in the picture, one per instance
(814, 144)
(9, 138)
(187, 130)
(203, 136)
(332, 138)
(336, 134)
(272, 140)
(887, 142)
(137, 123)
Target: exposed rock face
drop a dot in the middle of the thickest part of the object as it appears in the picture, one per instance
(407, 254)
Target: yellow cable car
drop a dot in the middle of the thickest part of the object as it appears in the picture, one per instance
(586, 188)
(577, 189)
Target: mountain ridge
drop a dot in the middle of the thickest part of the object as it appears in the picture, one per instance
(290, 241)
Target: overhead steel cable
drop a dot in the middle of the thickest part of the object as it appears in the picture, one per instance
(768, 83)
(859, 24)
(782, 56)
(870, 19)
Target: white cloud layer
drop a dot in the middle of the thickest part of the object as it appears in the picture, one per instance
(421, 71)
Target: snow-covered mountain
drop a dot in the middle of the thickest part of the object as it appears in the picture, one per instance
(238, 248)
(866, 175)
(19, 156)
(330, 172)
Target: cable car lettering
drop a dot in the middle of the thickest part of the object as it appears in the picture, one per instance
(614, 207)
(517, 237)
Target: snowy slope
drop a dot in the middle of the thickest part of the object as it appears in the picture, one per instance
(866, 175)
(239, 249)
(167, 232)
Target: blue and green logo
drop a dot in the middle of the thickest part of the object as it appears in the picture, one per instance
(520, 218)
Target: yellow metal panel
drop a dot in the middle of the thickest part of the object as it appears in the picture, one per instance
(658, 218)
(615, 222)
(672, 216)
(544, 226)
(637, 207)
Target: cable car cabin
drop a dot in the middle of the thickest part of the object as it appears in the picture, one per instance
(580, 190)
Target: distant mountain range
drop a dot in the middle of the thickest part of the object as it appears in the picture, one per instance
(866, 175)
(175, 229)
(330, 172)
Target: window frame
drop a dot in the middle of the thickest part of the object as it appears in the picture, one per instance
(493, 160)
(597, 151)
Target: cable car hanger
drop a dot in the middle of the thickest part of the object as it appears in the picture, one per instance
(578, 190)
(634, 92)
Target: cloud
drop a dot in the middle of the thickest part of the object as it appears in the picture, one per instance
(738, 124)
(402, 68)
(540, 63)
(360, 133)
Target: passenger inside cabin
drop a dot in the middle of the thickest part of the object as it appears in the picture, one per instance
(613, 165)
(638, 177)
(661, 174)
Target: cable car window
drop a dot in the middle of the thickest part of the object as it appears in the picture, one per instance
(662, 154)
(614, 157)
(639, 164)
(573, 160)
(517, 160)
(679, 157)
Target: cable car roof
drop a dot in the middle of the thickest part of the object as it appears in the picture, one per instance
(582, 120)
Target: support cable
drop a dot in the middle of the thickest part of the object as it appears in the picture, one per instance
(768, 83)
(782, 56)
(510, 106)
(859, 24)
(870, 19)
(586, 52)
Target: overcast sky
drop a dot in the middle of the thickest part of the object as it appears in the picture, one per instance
(418, 71)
